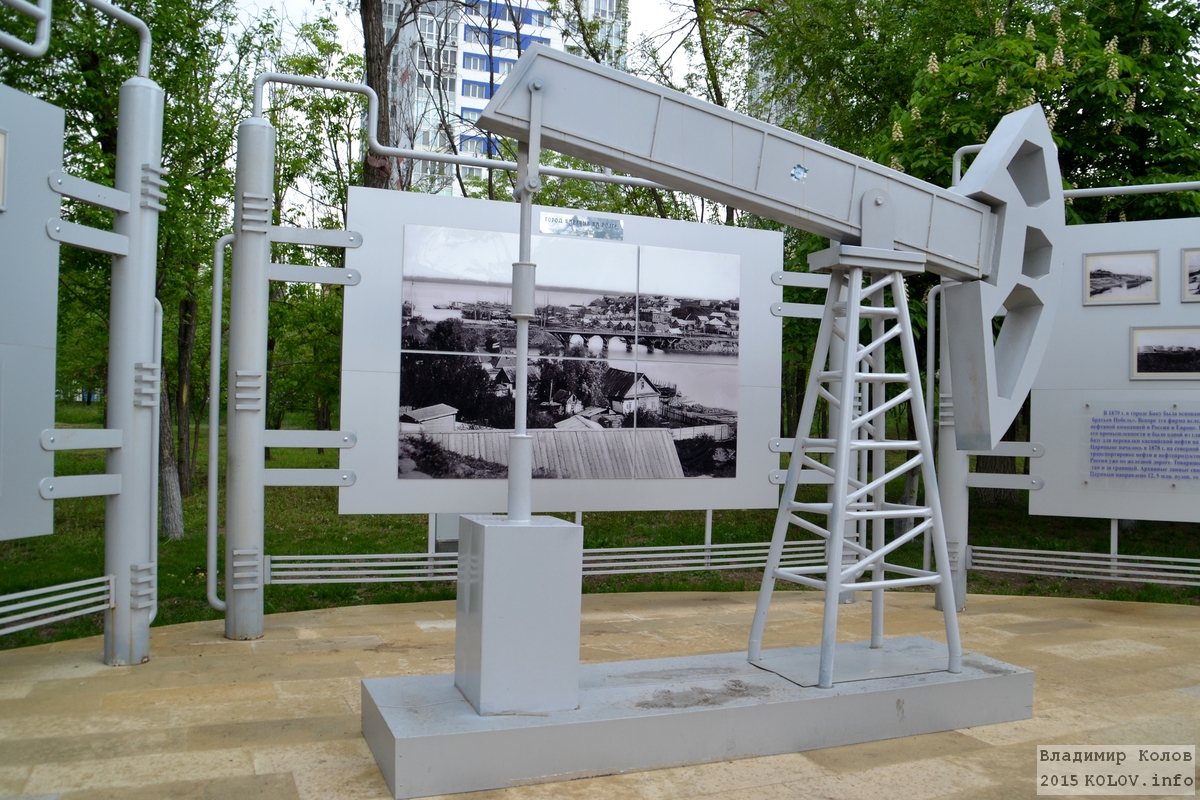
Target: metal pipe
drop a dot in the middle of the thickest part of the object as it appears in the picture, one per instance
(133, 375)
(143, 32)
(945, 589)
(956, 165)
(40, 14)
(931, 301)
(1097, 191)
(156, 440)
(426, 155)
(214, 415)
(246, 380)
(520, 444)
(1141, 188)
(952, 468)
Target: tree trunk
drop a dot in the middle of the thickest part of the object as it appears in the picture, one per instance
(170, 501)
(324, 418)
(1004, 465)
(377, 172)
(186, 344)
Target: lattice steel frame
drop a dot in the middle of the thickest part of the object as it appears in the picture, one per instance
(858, 447)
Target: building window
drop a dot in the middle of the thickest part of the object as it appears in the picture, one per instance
(604, 9)
(471, 61)
(472, 89)
(475, 10)
(475, 36)
(470, 114)
(429, 27)
(431, 168)
(434, 140)
(425, 59)
(429, 82)
(503, 67)
(471, 146)
(506, 41)
(540, 19)
(472, 172)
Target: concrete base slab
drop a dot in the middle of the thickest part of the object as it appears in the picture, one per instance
(638, 715)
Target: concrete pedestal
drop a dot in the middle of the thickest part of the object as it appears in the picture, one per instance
(637, 715)
(517, 642)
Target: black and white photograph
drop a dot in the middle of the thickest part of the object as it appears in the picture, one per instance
(1191, 276)
(1166, 353)
(474, 318)
(632, 372)
(1120, 278)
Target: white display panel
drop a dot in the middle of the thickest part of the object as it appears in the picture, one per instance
(655, 360)
(1117, 400)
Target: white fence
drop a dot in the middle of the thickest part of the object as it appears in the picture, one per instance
(408, 567)
(1096, 566)
(54, 603)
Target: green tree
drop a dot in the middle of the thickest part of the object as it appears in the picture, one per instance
(318, 158)
(201, 66)
(833, 69)
(1118, 86)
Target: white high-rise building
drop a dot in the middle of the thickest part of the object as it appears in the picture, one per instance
(446, 66)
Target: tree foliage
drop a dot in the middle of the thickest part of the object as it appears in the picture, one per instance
(1118, 86)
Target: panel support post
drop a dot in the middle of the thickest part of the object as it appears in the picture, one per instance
(520, 443)
(248, 297)
(133, 378)
(953, 466)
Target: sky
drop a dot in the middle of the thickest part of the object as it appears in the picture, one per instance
(645, 16)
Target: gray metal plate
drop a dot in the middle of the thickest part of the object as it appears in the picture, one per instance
(638, 715)
(28, 310)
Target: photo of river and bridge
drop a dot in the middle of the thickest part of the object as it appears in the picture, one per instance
(628, 380)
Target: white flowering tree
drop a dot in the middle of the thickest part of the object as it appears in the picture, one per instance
(1118, 83)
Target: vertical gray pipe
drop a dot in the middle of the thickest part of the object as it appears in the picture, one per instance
(520, 443)
(953, 465)
(247, 379)
(133, 379)
(214, 416)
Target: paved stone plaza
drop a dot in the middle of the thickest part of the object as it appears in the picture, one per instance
(279, 717)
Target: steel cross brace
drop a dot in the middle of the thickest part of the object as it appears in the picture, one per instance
(858, 447)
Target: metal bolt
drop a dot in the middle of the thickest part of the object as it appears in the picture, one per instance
(878, 201)
(535, 86)
(50, 488)
(52, 438)
(57, 229)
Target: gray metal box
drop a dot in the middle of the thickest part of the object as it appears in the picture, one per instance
(32, 133)
(516, 645)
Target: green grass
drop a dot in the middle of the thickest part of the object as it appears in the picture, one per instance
(304, 521)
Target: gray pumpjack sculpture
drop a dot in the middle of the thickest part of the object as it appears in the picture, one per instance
(991, 239)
